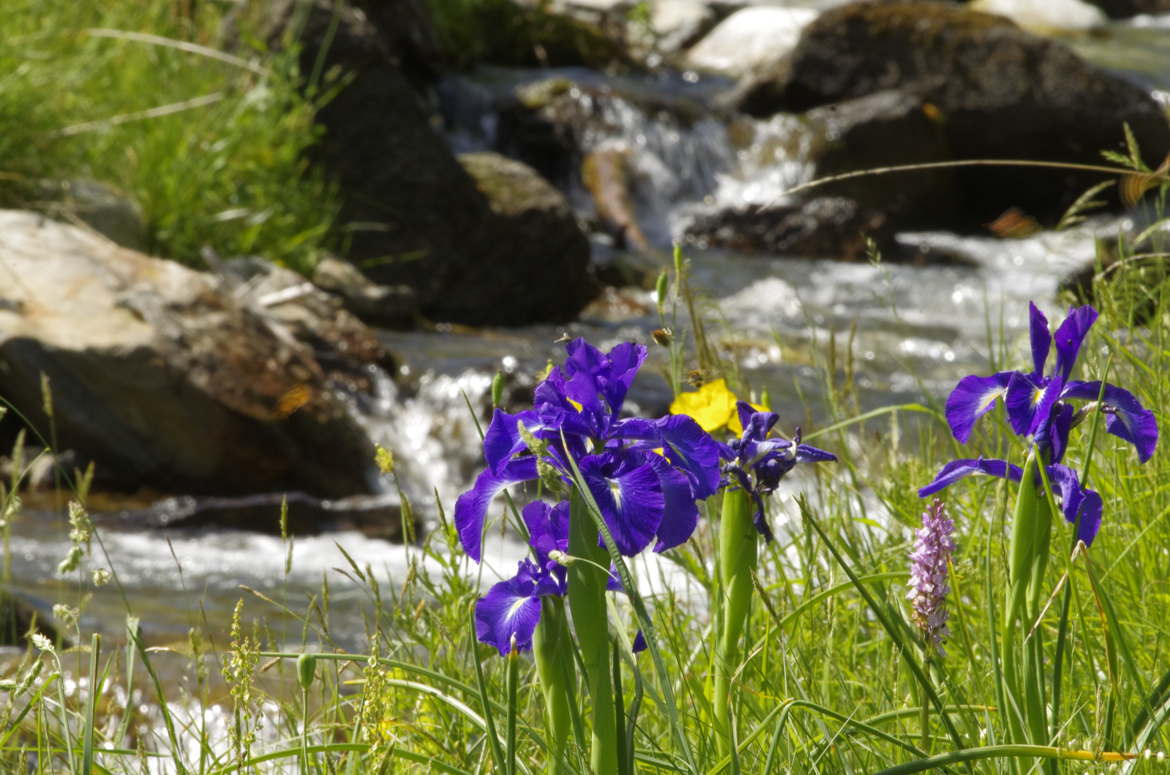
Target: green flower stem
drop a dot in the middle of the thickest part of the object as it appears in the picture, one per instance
(553, 653)
(586, 593)
(1020, 640)
(737, 563)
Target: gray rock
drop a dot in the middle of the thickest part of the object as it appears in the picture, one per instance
(748, 39)
(162, 375)
(99, 206)
(554, 266)
(387, 306)
(678, 24)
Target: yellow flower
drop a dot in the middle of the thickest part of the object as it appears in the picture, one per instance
(712, 407)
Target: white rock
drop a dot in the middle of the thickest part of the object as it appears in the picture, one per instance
(749, 38)
(1046, 15)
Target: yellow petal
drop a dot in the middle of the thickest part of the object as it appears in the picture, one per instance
(711, 406)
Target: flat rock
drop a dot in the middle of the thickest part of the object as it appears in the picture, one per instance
(162, 375)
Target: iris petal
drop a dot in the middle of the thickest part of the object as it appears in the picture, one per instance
(1041, 339)
(624, 361)
(1128, 419)
(1069, 337)
(472, 505)
(548, 528)
(1029, 402)
(628, 492)
(972, 398)
(959, 469)
(502, 439)
(809, 454)
(509, 609)
(688, 446)
(1076, 501)
(680, 515)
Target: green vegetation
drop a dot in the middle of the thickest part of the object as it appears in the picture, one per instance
(141, 96)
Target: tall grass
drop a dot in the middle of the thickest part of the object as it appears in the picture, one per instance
(140, 96)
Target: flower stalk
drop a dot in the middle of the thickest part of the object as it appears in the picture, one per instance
(586, 594)
(552, 650)
(737, 562)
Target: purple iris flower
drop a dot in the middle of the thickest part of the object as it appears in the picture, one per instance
(507, 615)
(645, 475)
(1036, 403)
(1080, 505)
(757, 463)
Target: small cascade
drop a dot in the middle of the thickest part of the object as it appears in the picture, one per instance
(431, 433)
(676, 153)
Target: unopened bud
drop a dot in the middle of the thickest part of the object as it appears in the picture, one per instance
(497, 388)
(661, 289)
(306, 670)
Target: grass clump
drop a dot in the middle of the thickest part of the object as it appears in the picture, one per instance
(212, 146)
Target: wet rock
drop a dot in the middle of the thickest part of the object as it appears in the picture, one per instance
(997, 91)
(164, 377)
(749, 38)
(678, 24)
(547, 274)
(885, 129)
(552, 123)
(826, 227)
(605, 176)
(343, 346)
(414, 216)
(386, 306)
(820, 228)
(378, 516)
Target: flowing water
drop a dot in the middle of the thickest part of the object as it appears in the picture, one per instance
(914, 332)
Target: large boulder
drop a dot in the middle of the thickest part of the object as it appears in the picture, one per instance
(166, 377)
(749, 38)
(412, 214)
(884, 129)
(998, 93)
(549, 276)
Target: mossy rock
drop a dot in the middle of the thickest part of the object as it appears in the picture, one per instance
(503, 32)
